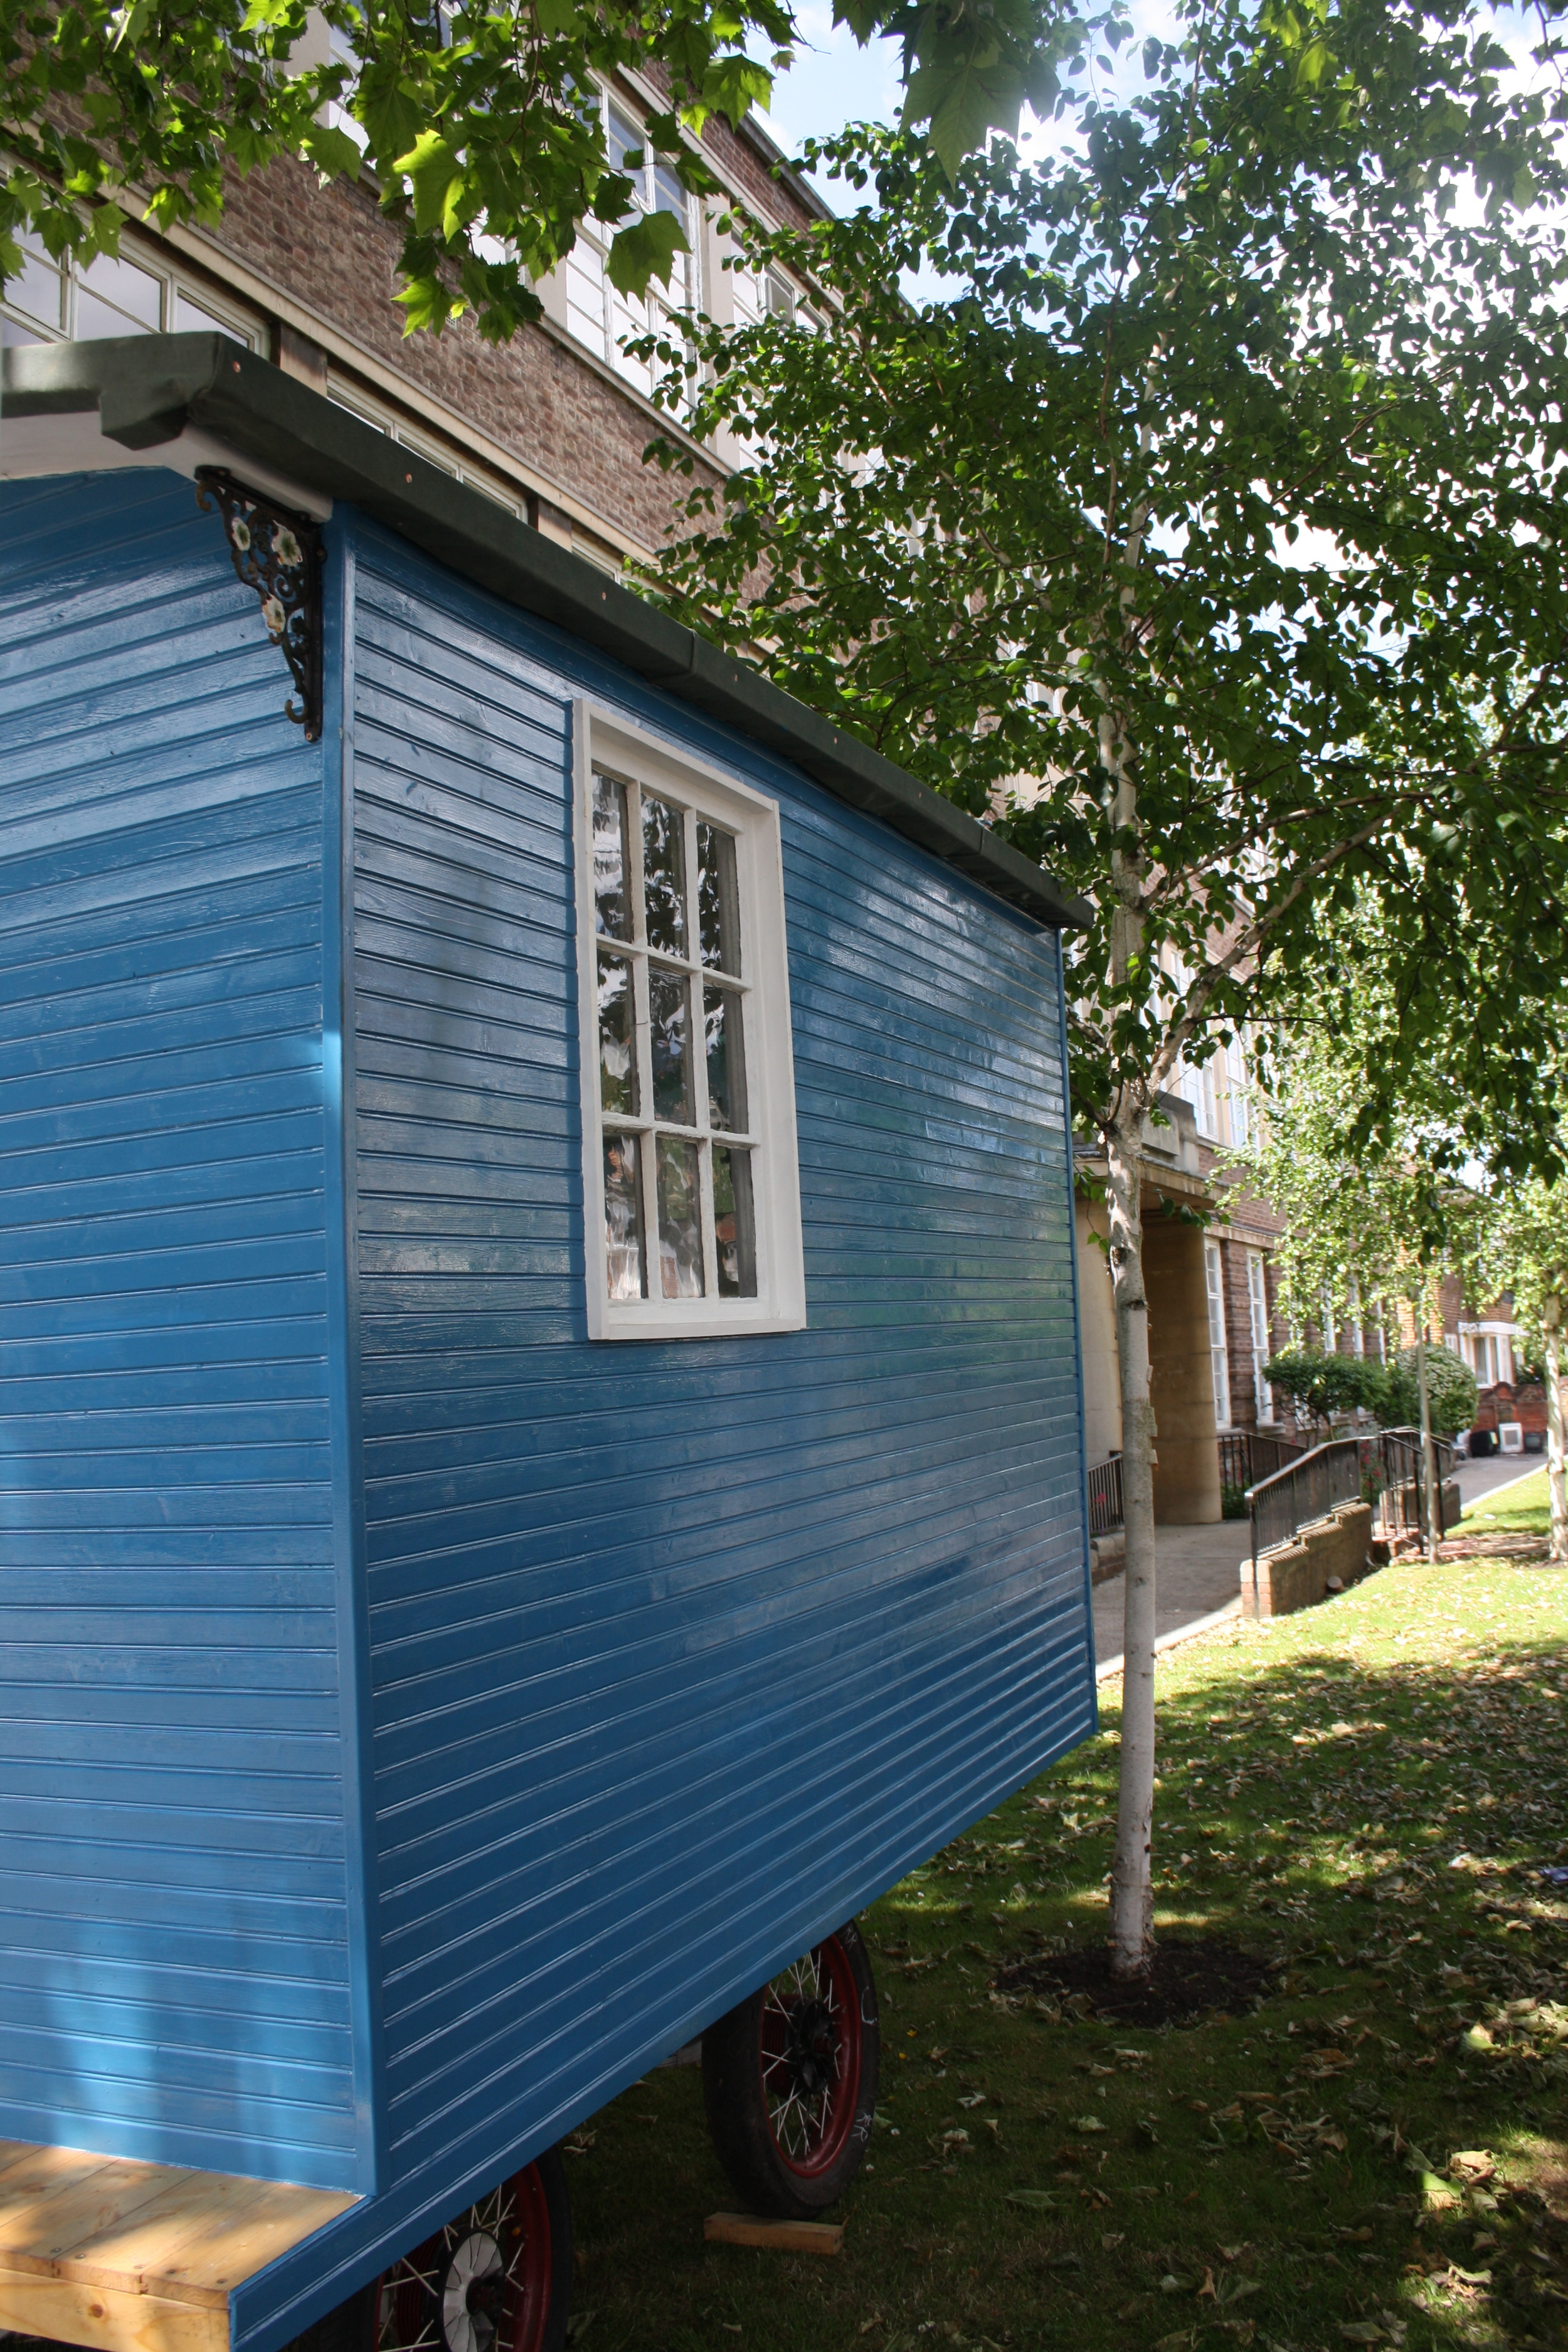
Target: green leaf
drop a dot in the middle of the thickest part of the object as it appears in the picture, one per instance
(434, 174)
(331, 150)
(645, 250)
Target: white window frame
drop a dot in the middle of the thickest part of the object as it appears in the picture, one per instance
(172, 282)
(604, 741)
(1238, 1107)
(588, 294)
(1257, 1314)
(1219, 1347)
(1488, 1348)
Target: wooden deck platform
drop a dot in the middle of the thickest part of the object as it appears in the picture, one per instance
(126, 2257)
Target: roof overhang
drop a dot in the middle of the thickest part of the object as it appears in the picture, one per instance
(190, 399)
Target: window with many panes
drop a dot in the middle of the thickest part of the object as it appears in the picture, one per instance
(1257, 1317)
(689, 1166)
(1219, 1352)
(131, 293)
(597, 312)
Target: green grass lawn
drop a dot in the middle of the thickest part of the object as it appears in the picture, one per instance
(1365, 1793)
(1518, 1510)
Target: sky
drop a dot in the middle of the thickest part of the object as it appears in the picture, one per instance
(834, 81)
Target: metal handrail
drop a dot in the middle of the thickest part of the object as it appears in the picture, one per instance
(1404, 1467)
(1105, 1496)
(1315, 1484)
(1245, 1453)
(1306, 1489)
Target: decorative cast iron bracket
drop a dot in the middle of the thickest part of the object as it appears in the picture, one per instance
(278, 553)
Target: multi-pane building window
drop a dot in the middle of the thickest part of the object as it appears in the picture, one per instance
(1237, 1103)
(137, 294)
(1489, 1356)
(1219, 1352)
(598, 313)
(689, 1111)
(1258, 1314)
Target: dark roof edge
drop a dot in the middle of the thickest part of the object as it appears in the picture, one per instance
(758, 137)
(147, 389)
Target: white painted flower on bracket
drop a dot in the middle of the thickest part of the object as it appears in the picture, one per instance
(240, 531)
(276, 618)
(285, 548)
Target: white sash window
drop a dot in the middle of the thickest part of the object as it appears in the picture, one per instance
(690, 1182)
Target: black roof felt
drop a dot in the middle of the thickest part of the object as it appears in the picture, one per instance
(147, 389)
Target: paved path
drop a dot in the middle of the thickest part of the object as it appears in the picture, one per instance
(1485, 1478)
(1198, 1573)
(1198, 1577)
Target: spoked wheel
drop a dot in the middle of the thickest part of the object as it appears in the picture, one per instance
(496, 2279)
(789, 2078)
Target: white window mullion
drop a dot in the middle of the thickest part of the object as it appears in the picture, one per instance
(698, 1037)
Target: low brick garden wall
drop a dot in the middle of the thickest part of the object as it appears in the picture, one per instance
(1296, 1575)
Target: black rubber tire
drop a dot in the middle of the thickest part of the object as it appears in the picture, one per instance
(797, 2182)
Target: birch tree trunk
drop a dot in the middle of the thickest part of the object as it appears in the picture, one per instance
(1131, 1882)
(1556, 1479)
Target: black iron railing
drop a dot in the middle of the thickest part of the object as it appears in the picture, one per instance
(1386, 1467)
(1307, 1489)
(1248, 1454)
(1400, 1470)
(1105, 1496)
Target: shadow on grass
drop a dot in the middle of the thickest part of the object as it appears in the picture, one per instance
(1363, 1797)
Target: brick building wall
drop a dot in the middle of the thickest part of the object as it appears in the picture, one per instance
(328, 257)
(542, 421)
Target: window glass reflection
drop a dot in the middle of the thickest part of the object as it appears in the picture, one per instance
(612, 897)
(734, 1223)
(623, 1219)
(670, 1038)
(617, 1038)
(722, 1020)
(718, 899)
(664, 876)
(680, 1220)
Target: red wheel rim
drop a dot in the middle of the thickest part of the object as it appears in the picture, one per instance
(481, 2284)
(810, 2058)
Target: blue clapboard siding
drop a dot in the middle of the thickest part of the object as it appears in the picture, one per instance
(174, 1981)
(679, 1653)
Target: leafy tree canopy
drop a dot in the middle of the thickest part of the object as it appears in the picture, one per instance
(1450, 1389)
(1331, 1386)
(476, 121)
(1203, 531)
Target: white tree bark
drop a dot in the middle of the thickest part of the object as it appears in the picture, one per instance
(1131, 1882)
(1556, 1477)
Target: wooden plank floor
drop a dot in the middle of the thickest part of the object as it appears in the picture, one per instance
(126, 2257)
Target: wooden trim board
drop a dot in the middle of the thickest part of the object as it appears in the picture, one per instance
(784, 2237)
(130, 2257)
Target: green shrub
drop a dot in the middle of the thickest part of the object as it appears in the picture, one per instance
(1450, 1388)
(1330, 1385)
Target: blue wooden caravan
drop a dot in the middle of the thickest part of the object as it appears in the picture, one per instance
(542, 1460)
